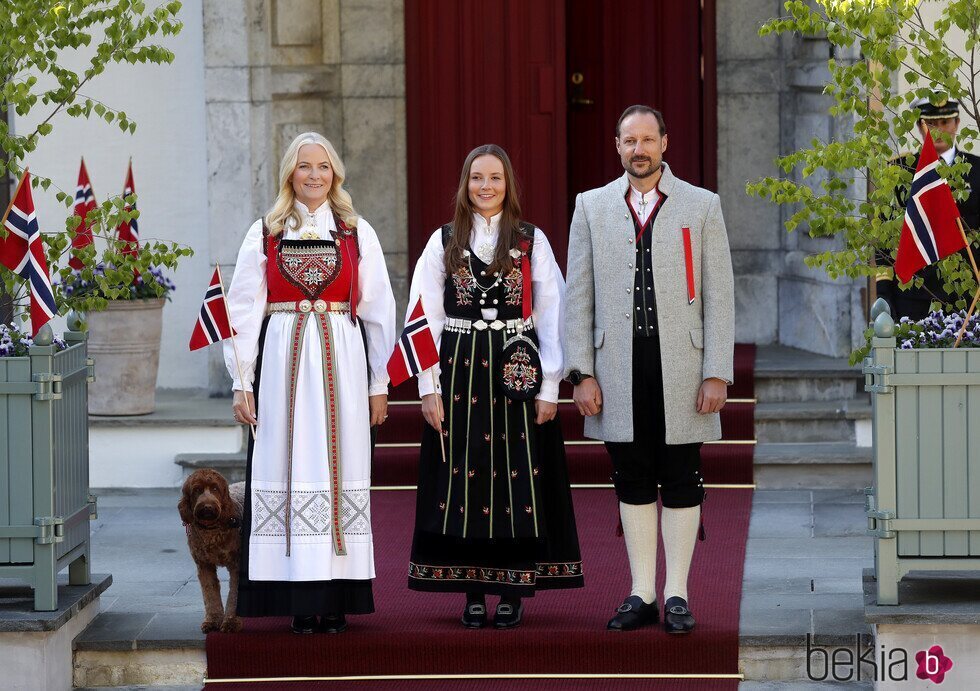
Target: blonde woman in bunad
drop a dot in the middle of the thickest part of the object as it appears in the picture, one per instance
(494, 509)
(315, 316)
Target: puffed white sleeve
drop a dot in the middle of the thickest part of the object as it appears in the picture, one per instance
(428, 281)
(548, 309)
(247, 296)
(375, 306)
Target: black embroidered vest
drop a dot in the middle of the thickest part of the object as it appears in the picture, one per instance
(473, 287)
(644, 297)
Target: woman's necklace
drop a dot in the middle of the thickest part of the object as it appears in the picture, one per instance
(483, 289)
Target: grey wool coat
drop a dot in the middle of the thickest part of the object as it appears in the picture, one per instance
(696, 339)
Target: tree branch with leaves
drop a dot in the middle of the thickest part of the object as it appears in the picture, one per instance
(40, 38)
(894, 42)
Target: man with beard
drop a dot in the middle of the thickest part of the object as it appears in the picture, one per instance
(649, 341)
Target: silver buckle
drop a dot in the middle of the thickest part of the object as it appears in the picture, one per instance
(480, 325)
(497, 325)
(305, 306)
(320, 306)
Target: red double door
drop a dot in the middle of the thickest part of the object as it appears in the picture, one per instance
(547, 80)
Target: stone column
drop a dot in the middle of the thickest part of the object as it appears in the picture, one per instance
(769, 104)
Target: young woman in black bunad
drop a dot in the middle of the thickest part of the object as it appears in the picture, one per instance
(494, 510)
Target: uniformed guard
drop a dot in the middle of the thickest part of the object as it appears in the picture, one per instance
(913, 302)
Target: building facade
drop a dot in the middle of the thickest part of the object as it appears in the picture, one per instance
(404, 88)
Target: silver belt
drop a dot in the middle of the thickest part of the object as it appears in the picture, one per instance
(510, 326)
(318, 306)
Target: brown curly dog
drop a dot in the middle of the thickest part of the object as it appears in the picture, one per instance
(211, 510)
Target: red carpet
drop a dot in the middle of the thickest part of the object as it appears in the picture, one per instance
(419, 633)
(564, 632)
(490, 685)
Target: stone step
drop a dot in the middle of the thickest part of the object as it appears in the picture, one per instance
(812, 465)
(231, 465)
(790, 374)
(814, 421)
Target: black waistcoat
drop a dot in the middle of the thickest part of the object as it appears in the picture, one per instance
(644, 297)
(473, 287)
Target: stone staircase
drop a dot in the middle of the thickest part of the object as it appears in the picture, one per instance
(812, 422)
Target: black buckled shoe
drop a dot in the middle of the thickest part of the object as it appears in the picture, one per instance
(507, 616)
(332, 623)
(677, 617)
(475, 615)
(303, 625)
(633, 614)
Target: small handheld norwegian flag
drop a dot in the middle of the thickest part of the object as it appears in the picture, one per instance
(416, 349)
(84, 202)
(23, 253)
(930, 231)
(213, 323)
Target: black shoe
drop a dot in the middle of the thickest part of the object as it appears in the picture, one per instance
(633, 614)
(332, 623)
(475, 615)
(304, 624)
(677, 617)
(508, 615)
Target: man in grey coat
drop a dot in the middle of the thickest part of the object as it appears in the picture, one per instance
(649, 341)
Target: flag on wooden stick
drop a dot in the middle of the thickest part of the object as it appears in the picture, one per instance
(416, 349)
(930, 231)
(213, 323)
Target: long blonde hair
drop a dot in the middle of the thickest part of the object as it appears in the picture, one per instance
(338, 198)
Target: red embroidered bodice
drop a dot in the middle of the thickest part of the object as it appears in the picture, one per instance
(312, 269)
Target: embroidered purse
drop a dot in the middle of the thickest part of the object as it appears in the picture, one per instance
(519, 374)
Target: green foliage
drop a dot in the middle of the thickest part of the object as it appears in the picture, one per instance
(36, 36)
(847, 187)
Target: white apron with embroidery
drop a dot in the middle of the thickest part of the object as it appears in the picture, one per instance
(312, 555)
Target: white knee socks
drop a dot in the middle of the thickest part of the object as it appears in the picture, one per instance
(680, 534)
(640, 531)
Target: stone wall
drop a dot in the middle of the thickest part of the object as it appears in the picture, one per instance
(770, 103)
(276, 68)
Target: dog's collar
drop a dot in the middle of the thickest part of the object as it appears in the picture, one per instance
(232, 522)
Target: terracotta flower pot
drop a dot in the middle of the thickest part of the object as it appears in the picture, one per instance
(125, 342)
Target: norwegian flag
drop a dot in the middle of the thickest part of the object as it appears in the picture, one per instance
(23, 253)
(212, 324)
(415, 350)
(128, 231)
(930, 231)
(84, 202)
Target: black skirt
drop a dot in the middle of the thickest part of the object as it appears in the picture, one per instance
(496, 515)
(292, 598)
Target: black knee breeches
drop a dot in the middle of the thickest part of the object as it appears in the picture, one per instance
(641, 465)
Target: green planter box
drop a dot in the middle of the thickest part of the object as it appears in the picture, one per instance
(45, 503)
(924, 507)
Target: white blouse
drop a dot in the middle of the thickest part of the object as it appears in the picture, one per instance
(248, 293)
(548, 293)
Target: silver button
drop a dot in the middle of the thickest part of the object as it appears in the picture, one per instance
(630, 265)
(628, 290)
(630, 241)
